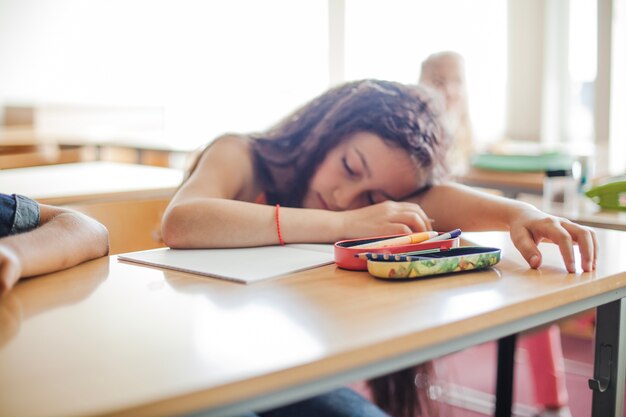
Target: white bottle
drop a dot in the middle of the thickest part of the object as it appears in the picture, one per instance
(560, 186)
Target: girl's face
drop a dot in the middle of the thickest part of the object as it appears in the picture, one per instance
(361, 171)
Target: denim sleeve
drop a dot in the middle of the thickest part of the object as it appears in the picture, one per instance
(7, 213)
(26, 215)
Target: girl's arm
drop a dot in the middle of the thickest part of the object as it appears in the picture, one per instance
(65, 238)
(215, 208)
(454, 205)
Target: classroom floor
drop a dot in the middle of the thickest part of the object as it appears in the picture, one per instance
(467, 380)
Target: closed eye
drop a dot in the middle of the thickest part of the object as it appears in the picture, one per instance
(349, 170)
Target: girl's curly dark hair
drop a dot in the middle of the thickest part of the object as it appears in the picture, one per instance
(408, 117)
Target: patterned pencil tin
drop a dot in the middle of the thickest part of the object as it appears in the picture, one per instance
(403, 266)
(345, 253)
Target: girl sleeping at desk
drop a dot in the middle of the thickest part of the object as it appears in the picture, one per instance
(366, 158)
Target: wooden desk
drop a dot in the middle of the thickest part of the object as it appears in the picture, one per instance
(90, 182)
(584, 212)
(43, 154)
(109, 338)
(25, 147)
(147, 148)
(23, 135)
(510, 183)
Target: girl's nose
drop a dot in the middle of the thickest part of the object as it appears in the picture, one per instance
(345, 197)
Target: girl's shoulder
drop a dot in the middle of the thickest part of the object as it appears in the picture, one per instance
(220, 153)
(224, 149)
(231, 151)
(230, 143)
(226, 165)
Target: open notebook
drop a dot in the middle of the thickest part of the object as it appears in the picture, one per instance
(243, 265)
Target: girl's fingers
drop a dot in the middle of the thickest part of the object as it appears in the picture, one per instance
(413, 220)
(587, 244)
(560, 236)
(596, 247)
(525, 244)
(562, 233)
(422, 221)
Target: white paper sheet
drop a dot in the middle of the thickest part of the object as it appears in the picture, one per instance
(243, 265)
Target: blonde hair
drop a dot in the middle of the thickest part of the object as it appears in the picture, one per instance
(462, 145)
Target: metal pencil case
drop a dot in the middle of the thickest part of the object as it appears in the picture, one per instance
(345, 252)
(417, 265)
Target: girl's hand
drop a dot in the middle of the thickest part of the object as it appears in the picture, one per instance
(531, 226)
(386, 218)
(10, 269)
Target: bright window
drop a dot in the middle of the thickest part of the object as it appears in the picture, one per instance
(214, 66)
(617, 143)
(582, 70)
(390, 39)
